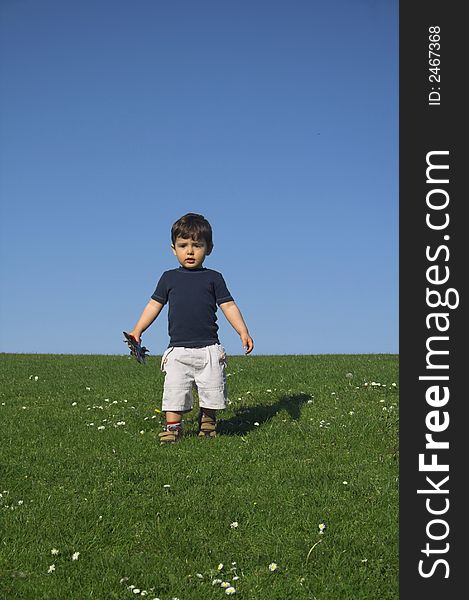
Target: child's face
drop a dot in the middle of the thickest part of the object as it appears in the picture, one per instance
(190, 253)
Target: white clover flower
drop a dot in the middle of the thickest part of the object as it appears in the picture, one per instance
(349, 375)
(233, 526)
(88, 388)
(20, 502)
(36, 378)
(51, 569)
(256, 424)
(124, 579)
(101, 427)
(273, 567)
(74, 403)
(142, 431)
(321, 526)
(136, 591)
(225, 584)
(75, 555)
(230, 591)
(345, 482)
(220, 567)
(268, 390)
(54, 551)
(216, 582)
(199, 575)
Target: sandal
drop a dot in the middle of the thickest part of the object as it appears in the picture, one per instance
(170, 436)
(207, 426)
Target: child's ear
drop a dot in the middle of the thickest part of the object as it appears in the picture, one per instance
(173, 249)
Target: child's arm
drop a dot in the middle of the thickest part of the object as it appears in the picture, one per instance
(235, 319)
(149, 314)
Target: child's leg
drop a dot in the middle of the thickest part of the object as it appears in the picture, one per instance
(208, 412)
(177, 392)
(211, 385)
(173, 418)
(173, 429)
(207, 422)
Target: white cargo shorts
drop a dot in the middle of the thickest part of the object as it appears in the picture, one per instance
(185, 367)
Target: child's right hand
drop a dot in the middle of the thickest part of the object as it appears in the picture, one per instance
(136, 336)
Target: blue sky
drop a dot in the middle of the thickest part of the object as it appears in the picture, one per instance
(277, 120)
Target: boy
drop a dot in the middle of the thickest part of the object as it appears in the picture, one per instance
(194, 354)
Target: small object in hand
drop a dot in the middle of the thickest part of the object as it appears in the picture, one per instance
(135, 348)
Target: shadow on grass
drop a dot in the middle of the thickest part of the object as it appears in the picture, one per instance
(243, 421)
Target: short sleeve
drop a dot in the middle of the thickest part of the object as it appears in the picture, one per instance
(161, 292)
(222, 293)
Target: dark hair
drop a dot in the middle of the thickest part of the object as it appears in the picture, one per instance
(193, 226)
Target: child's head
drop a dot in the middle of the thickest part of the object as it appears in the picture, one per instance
(191, 238)
(193, 226)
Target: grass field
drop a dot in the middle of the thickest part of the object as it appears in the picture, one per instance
(305, 441)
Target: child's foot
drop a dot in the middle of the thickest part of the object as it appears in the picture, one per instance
(207, 426)
(171, 434)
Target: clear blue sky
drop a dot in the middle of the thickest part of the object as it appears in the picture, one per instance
(277, 120)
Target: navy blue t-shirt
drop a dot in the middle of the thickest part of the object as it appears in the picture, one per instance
(193, 295)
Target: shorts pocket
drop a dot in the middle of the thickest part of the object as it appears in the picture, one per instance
(164, 358)
(222, 355)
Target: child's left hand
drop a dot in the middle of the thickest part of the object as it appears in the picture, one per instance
(248, 343)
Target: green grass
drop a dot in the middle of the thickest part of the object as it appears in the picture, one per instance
(296, 430)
